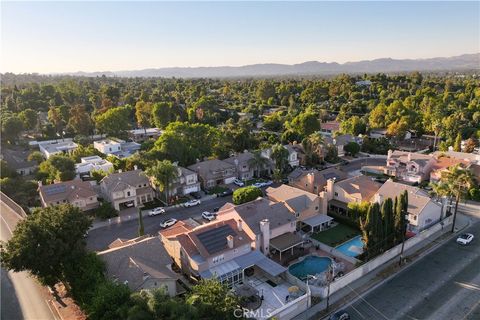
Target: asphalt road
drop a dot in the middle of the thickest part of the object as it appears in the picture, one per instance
(444, 285)
(99, 239)
(355, 165)
(22, 297)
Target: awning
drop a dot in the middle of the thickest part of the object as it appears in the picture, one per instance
(221, 270)
(286, 241)
(338, 204)
(256, 258)
(317, 220)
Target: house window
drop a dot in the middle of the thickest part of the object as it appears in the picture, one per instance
(128, 193)
(144, 184)
(218, 259)
(336, 194)
(316, 208)
(415, 218)
(297, 214)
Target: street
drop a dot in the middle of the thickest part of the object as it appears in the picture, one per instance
(22, 297)
(99, 239)
(356, 165)
(445, 284)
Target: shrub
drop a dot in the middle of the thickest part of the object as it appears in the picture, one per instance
(246, 194)
(105, 211)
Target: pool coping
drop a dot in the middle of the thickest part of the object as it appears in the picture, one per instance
(300, 259)
(341, 244)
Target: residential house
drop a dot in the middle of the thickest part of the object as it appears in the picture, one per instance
(17, 159)
(222, 249)
(141, 135)
(329, 128)
(267, 219)
(124, 189)
(382, 133)
(75, 192)
(116, 147)
(313, 180)
(357, 190)
(241, 161)
(305, 206)
(467, 157)
(51, 147)
(341, 141)
(422, 210)
(185, 183)
(142, 264)
(293, 160)
(88, 164)
(409, 166)
(214, 172)
(442, 164)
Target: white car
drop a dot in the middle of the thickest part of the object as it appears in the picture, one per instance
(168, 223)
(209, 215)
(129, 204)
(465, 238)
(259, 184)
(192, 203)
(156, 211)
(238, 182)
(268, 183)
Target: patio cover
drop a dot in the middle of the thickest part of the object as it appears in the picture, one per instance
(256, 258)
(286, 241)
(338, 204)
(220, 270)
(317, 220)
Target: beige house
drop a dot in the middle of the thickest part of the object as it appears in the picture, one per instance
(126, 189)
(223, 249)
(313, 180)
(357, 189)
(142, 264)
(422, 210)
(214, 172)
(409, 166)
(75, 192)
(241, 161)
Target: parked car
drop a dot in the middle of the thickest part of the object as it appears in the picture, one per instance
(465, 238)
(209, 215)
(238, 182)
(129, 204)
(268, 183)
(196, 195)
(168, 223)
(156, 211)
(340, 315)
(225, 193)
(258, 184)
(192, 203)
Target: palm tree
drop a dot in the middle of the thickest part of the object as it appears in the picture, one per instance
(455, 182)
(280, 157)
(258, 162)
(164, 174)
(313, 146)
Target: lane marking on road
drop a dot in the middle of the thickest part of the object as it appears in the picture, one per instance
(369, 304)
(359, 313)
(468, 286)
(471, 310)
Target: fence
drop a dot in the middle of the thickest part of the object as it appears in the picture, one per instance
(291, 309)
(13, 205)
(322, 246)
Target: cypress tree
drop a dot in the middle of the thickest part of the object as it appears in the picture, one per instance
(388, 223)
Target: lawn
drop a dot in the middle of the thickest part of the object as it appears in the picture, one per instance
(336, 235)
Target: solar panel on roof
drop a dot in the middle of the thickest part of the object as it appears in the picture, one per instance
(55, 189)
(215, 240)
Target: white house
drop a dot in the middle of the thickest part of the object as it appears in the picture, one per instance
(87, 164)
(51, 147)
(108, 146)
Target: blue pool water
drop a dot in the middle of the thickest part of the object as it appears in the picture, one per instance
(311, 265)
(352, 247)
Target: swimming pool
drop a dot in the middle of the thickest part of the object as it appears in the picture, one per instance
(352, 248)
(311, 265)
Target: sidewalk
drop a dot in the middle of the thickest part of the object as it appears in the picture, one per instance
(132, 214)
(370, 281)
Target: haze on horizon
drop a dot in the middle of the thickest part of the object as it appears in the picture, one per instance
(56, 37)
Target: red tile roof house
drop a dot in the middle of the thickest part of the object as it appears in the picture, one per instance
(329, 127)
(75, 192)
(222, 249)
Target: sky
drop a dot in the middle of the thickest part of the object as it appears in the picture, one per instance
(50, 37)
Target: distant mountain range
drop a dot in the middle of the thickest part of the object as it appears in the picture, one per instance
(310, 68)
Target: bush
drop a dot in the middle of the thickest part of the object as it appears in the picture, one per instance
(105, 211)
(246, 194)
(475, 194)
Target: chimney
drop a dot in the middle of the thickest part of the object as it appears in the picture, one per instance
(119, 170)
(230, 241)
(265, 229)
(389, 154)
(378, 198)
(40, 183)
(329, 187)
(310, 179)
(409, 157)
(240, 225)
(135, 167)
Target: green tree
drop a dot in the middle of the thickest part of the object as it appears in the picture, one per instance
(313, 146)
(115, 121)
(213, 300)
(370, 230)
(280, 157)
(80, 122)
(58, 167)
(388, 223)
(305, 123)
(352, 148)
(111, 301)
(164, 173)
(82, 151)
(457, 146)
(455, 183)
(161, 113)
(246, 194)
(400, 222)
(353, 125)
(29, 119)
(45, 242)
(143, 113)
(258, 163)
(12, 126)
(105, 211)
(56, 119)
(36, 156)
